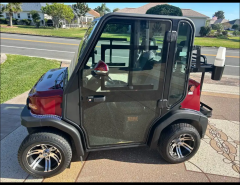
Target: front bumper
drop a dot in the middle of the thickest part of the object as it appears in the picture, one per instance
(34, 123)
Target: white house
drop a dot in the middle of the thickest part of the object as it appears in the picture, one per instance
(90, 16)
(198, 18)
(27, 8)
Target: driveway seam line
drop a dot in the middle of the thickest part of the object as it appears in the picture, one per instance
(10, 132)
(82, 167)
(199, 169)
(26, 178)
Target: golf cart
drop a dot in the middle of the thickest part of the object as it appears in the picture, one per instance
(127, 86)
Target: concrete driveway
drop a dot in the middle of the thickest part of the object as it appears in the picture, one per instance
(216, 161)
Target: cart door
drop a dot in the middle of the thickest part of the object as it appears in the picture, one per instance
(119, 109)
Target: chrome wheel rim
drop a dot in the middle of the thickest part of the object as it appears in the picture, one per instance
(181, 146)
(44, 158)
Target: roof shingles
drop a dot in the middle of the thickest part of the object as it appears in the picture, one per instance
(143, 9)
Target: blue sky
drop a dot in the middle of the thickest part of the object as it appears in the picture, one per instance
(231, 10)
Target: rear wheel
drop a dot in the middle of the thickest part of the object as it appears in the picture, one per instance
(44, 154)
(179, 143)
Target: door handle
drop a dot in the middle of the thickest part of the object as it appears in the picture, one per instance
(97, 98)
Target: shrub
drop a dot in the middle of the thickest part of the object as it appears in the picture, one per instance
(225, 32)
(219, 27)
(27, 21)
(3, 21)
(205, 31)
(236, 33)
(36, 18)
(220, 36)
(214, 27)
(235, 26)
(14, 21)
(165, 10)
(115, 28)
(19, 22)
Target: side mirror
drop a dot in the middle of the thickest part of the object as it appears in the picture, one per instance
(219, 64)
(101, 68)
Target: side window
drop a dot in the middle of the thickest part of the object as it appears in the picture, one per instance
(179, 75)
(113, 47)
(133, 52)
(148, 64)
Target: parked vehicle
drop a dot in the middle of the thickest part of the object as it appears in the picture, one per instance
(127, 86)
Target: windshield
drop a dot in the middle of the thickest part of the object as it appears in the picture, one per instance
(82, 46)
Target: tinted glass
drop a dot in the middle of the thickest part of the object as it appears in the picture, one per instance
(81, 47)
(148, 64)
(177, 86)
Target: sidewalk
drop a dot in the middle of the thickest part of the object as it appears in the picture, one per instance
(134, 164)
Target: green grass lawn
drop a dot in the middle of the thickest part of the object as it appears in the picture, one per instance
(20, 73)
(49, 31)
(231, 42)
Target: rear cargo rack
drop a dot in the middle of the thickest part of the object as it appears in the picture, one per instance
(205, 109)
(200, 66)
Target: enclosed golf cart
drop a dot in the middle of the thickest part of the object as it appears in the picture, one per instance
(127, 86)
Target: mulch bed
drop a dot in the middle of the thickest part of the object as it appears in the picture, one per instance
(8, 26)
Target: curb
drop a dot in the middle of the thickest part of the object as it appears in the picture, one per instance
(214, 47)
(43, 35)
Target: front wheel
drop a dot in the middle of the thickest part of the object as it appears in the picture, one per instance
(44, 154)
(179, 143)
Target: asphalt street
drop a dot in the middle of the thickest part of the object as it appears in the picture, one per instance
(64, 49)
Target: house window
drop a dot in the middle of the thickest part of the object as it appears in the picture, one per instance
(7, 15)
(29, 15)
(18, 15)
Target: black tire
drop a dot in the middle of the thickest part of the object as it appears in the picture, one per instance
(50, 139)
(172, 132)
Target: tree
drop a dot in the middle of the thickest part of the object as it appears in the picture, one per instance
(115, 9)
(235, 26)
(103, 9)
(58, 11)
(81, 9)
(36, 18)
(207, 23)
(219, 14)
(165, 9)
(12, 8)
(1, 9)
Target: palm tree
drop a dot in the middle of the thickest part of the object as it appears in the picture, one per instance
(12, 8)
(1, 9)
(115, 9)
(103, 9)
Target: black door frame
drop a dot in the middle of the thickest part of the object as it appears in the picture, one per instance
(154, 93)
